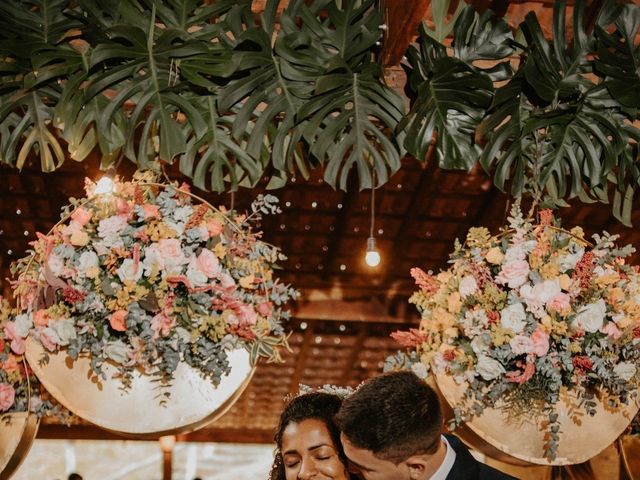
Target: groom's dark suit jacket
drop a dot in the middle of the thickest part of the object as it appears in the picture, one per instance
(468, 468)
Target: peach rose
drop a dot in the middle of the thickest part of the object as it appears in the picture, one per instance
(81, 216)
(612, 330)
(150, 211)
(117, 320)
(11, 364)
(79, 238)
(7, 396)
(540, 341)
(559, 303)
(41, 318)
(215, 227)
(208, 263)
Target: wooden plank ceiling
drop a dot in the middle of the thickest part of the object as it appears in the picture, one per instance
(342, 323)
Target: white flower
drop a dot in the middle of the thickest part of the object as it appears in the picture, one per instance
(65, 330)
(23, 324)
(590, 318)
(479, 344)
(420, 369)
(153, 260)
(87, 260)
(474, 322)
(488, 368)
(514, 273)
(117, 351)
(521, 344)
(537, 296)
(468, 286)
(513, 317)
(109, 230)
(129, 271)
(56, 264)
(195, 276)
(568, 262)
(625, 371)
(182, 214)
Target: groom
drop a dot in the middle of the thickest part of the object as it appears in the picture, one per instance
(391, 431)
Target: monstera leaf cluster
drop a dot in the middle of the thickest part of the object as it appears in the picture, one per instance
(232, 95)
(559, 123)
(227, 96)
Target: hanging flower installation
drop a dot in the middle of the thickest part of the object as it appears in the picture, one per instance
(534, 320)
(144, 276)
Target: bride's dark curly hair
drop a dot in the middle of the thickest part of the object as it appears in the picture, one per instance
(316, 405)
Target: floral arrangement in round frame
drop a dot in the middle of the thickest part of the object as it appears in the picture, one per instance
(147, 275)
(523, 317)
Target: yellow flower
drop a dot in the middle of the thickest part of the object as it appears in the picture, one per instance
(574, 347)
(478, 237)
(549, 271)
(565, 282)
(578, 232)
(247, 282)
(500, 335)
(546, 323)
(608, 279)
(220, 250)
(494, 256)
(444, 277)
(454, 303)
(443, 318)
(623, 322)
(92, 272)
(79, 238)
(558, 329)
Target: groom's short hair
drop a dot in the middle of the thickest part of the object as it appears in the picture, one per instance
(395, 415)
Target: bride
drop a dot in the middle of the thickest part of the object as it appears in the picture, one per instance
(308, 440)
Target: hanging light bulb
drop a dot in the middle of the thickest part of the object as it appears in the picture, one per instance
(105, 186)
(372, 257)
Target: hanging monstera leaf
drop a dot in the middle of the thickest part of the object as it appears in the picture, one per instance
(34, 53)
(449, 95)
(552, 130)
(352, 111)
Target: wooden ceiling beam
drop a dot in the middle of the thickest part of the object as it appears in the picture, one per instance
(402, 18)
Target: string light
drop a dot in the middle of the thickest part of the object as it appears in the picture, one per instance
(372, 256)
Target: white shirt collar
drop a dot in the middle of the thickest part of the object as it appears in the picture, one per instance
(447, 464)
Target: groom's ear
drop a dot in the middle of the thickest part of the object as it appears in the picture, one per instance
(417, 467)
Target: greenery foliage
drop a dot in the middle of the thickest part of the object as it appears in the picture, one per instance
(232, 96)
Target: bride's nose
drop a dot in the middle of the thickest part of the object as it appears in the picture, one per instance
(307, 469)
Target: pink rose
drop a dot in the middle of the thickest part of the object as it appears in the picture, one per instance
(162, 324)
(265, 309)
(17, 342)
(612, 330)
(514, 273)
(7, 396)
(247, 315)
(559, 303)
(208, 263)
(125, 208)
(227, 282)
(150, 211)
(215, 228)
(81, 216)
(540, 341)
(117, 320)
(521, 344)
